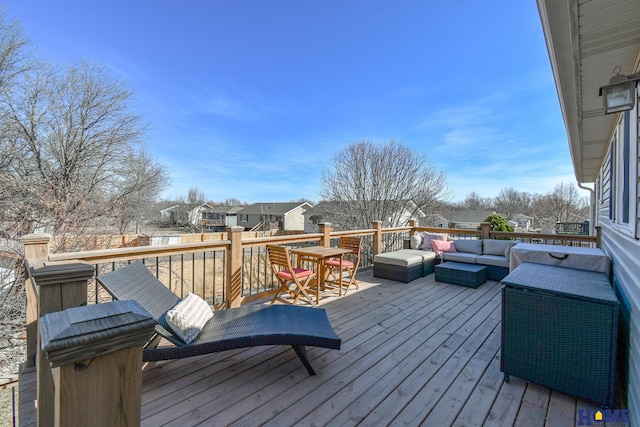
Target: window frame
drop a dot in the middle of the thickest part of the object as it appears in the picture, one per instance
(624, 173)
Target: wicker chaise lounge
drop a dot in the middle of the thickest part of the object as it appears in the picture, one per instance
(247, 326)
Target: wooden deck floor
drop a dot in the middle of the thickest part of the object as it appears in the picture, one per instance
(423, 353)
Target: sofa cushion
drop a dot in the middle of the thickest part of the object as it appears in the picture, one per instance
(469, 246)
(398, 258)
(428, 237)
(426, 255)
(495, 260)
(494, 247)
(460, 257)
(415, 241)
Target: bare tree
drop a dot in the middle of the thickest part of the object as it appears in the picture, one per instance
(142, 180)
(368, 182)
(195, 197)
(12, 51)
(510, 202)
(75, 141)
(563, 204)
(233, 202)
(475, 202)
(12, 296)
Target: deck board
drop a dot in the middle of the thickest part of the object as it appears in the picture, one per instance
(419, 353)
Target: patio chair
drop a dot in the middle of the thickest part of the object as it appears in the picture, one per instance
(350, 263)
(293, 281)
(246, 326)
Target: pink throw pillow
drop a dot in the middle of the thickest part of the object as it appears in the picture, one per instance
(443, 246)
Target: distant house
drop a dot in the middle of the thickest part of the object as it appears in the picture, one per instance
(521, 221)
(287, 216)
(214, 218)
(461, 218)
(221, 217)
(198, 215)
(171, 214)
(331, 212)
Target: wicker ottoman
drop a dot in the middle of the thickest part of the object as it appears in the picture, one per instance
(460, 273)
(398, 266)
(428, 259)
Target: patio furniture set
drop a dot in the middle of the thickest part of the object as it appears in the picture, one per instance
(325, 268)
(559, 323)
(462, 262)
(559, 310)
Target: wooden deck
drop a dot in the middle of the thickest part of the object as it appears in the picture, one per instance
(423, 353)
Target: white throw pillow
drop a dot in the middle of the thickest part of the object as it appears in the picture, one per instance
(415, 241)
(188, 317)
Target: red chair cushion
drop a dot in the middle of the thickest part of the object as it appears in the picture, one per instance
(299, 272)
(336, 263)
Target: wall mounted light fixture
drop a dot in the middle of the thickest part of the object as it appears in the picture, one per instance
(620, 93)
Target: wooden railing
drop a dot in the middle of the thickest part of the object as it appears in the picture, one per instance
(227, 272)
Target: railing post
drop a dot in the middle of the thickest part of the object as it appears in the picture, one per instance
(377, 237)
(234, 266)
(97, 370)
(485, 230)
(35, 246)
(61, 285)
(325, 229)
(598, 236)
(413, 224)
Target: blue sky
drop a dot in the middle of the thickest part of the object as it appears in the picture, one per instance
(252, 99)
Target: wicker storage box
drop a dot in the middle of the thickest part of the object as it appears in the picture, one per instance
(459, 273)
(559, 329)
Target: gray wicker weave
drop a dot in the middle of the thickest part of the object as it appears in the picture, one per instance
(396, 272)
(247, 326)
(460, 273)
(559, 329)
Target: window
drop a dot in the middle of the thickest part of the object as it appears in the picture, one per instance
(244, 217)
(622, 167)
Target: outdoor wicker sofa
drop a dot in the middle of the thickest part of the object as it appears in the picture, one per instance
(246, 326)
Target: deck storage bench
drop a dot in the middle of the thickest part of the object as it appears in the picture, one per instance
(459, 273)
(398, 266)
(559, 329)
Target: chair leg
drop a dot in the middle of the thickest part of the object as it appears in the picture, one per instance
(302, 290)
(333, 276)
(298, 291)
(301, 351)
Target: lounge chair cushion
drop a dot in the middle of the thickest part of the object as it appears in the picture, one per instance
(188, 317)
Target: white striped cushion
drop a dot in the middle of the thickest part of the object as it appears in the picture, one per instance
(188, 317)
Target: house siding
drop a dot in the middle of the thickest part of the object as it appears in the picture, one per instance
(294, 220)
(624, 250)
